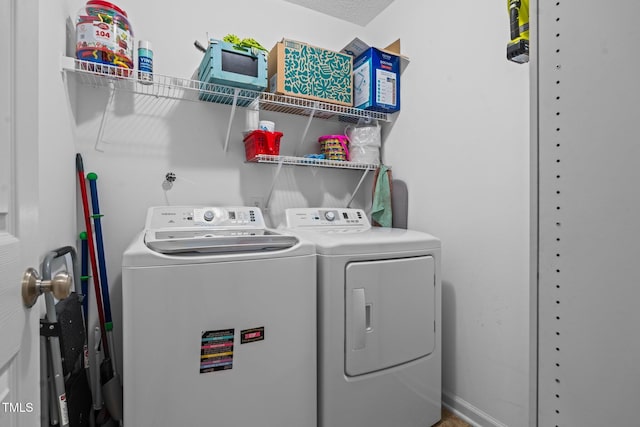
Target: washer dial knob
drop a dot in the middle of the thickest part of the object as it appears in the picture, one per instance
(329, 215)
(208, 216)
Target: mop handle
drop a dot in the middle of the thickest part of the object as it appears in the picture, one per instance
(92, 254)
(102, 264)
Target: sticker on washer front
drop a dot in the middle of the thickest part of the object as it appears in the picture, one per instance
(216, 350)
(252, 335)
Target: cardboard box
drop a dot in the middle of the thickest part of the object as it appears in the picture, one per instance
(357, 47)
(376, 76)
(305, 71)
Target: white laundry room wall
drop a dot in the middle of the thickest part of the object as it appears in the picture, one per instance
(57, 145)
(460, 143)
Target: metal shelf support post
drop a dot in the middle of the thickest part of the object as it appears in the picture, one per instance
(273, 185)
(306, 128)
(112, 93)
(355, 191)
(233, 112)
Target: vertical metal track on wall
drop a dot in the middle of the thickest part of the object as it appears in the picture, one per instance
(588, 213)
(551, 221)
(533, 209)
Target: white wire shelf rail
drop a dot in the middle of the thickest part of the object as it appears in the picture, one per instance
(304, 161)
(94, 74)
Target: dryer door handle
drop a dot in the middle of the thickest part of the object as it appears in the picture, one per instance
(358, 319)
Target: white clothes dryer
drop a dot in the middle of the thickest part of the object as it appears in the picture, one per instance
(379, 301)
(219, 322)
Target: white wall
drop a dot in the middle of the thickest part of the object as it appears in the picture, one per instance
(57, 145)
(460, 142)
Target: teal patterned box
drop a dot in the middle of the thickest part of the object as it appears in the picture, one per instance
(298, 69)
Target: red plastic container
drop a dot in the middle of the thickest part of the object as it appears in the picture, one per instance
(261, 142)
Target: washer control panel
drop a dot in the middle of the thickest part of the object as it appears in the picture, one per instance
(233, 217)
(327, 218)
(186, 231)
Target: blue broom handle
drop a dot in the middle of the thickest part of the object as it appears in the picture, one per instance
(92, 177)
(84, 272)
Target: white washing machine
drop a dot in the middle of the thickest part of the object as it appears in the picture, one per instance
(219, 322)
(379, 300)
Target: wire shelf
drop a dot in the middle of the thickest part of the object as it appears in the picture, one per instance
(303, 161)
(101, 75)
(322, 110)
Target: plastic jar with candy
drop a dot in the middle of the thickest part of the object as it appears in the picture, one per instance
(104, 35)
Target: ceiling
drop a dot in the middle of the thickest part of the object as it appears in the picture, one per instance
(359, 12)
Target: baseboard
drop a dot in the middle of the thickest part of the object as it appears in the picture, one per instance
(469, 413)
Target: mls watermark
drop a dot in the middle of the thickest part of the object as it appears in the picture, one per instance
(17, 407)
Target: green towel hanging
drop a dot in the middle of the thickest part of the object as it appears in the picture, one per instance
(381, 213)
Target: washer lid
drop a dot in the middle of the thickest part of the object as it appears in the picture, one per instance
(216, 241)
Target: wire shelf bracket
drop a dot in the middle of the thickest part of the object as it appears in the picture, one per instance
(303, 161)
(355, 191)
(103, 120)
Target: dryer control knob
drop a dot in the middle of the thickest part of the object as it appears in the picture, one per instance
(329, 216)
(208, 216)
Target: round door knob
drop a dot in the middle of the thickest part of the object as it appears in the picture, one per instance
(33, 286)
(208, 216)
(330, 215)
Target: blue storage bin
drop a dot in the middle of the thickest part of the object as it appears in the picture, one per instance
(230, 65)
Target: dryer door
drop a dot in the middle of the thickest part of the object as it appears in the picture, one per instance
(389, 313)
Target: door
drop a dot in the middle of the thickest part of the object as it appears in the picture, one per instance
(588, 210)
(19, 349)
(389, 312)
